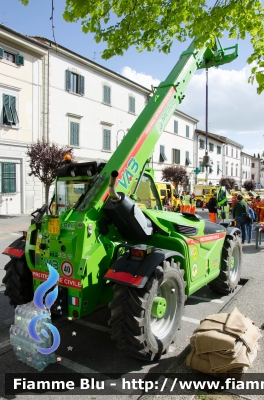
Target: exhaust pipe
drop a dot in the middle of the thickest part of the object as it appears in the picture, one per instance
(113, 194)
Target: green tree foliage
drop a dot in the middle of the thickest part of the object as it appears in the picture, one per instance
(249, 185)
(44, 160)
(229, 183)
(158, 23)
(175, 174)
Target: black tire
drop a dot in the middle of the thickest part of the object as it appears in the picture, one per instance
(139, 333)
(198, 203)
(18, 281)
(229, 276)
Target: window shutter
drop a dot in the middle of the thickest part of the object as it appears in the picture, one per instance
(19, 59)
(132, 104)
(175, 126)
(178, 158)
(7, 110)
(13, 109)
(68, 79)
(8, 178)
(1, 52)
(74, 134)
(107, 95)
(106, 139)
(81, 84)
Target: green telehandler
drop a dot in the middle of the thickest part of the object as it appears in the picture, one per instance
(110, 248)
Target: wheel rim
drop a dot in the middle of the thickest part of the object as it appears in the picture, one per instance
(161, 325)
(234, 264)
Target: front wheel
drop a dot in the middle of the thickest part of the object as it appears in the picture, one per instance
(229, 276)
(145, 321)
(198, 203)
(18, 281)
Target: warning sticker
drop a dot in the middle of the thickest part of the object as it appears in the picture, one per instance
(67, 268)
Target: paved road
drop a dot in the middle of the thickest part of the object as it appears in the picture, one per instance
(94, 351)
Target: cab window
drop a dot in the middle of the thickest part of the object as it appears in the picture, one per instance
(146, 194)
(68, 192)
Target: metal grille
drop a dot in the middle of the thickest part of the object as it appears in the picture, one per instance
(185, 230)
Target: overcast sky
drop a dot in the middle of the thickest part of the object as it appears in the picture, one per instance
(235, 110)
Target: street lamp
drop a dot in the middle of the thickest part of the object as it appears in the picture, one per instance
(122, 130)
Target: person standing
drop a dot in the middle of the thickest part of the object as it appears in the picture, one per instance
(193, 206)
(239, 214)
(187, 202)
(256, 208)
(250, 217)
(203, 203)
(260, 208)
(176, 203)
(234, 200)
(212, 208)
(182, 204)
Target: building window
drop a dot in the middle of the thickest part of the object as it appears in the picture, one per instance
(10, 116)
(8, 177)
(232, 170)
(106, 95)
(236, 153)
(253, 165)
(226, 152)
(253, 177)
(175, 126)
(226, 169)
(176, 156)
(187, 158)
(218, 168)
(162, 157)
(201, 167)
(201, 144)
(106, 139)
(232, 152)
(131, 105)
(74, 82)
(219, 149)
(17, 59)
(211, 147)
(187, 131)
(74, 134)
(236, 170)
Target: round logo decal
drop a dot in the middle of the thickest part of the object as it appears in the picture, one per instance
(67, 268)
(194, 270)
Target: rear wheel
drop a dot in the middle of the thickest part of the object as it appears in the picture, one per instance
(145, 321)
(18, 281)
(229, 276)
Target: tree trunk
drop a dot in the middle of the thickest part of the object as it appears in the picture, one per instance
(47, 189)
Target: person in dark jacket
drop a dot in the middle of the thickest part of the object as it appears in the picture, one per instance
(239, 214)
(212, 208)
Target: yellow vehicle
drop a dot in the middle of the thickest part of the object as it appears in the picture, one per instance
(260, 192)
(165, 189)
(205, 192)
(247, 195)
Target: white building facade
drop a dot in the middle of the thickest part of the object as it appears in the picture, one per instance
(21, 90)
(175, 146)
(225, 158)
(92, 108)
